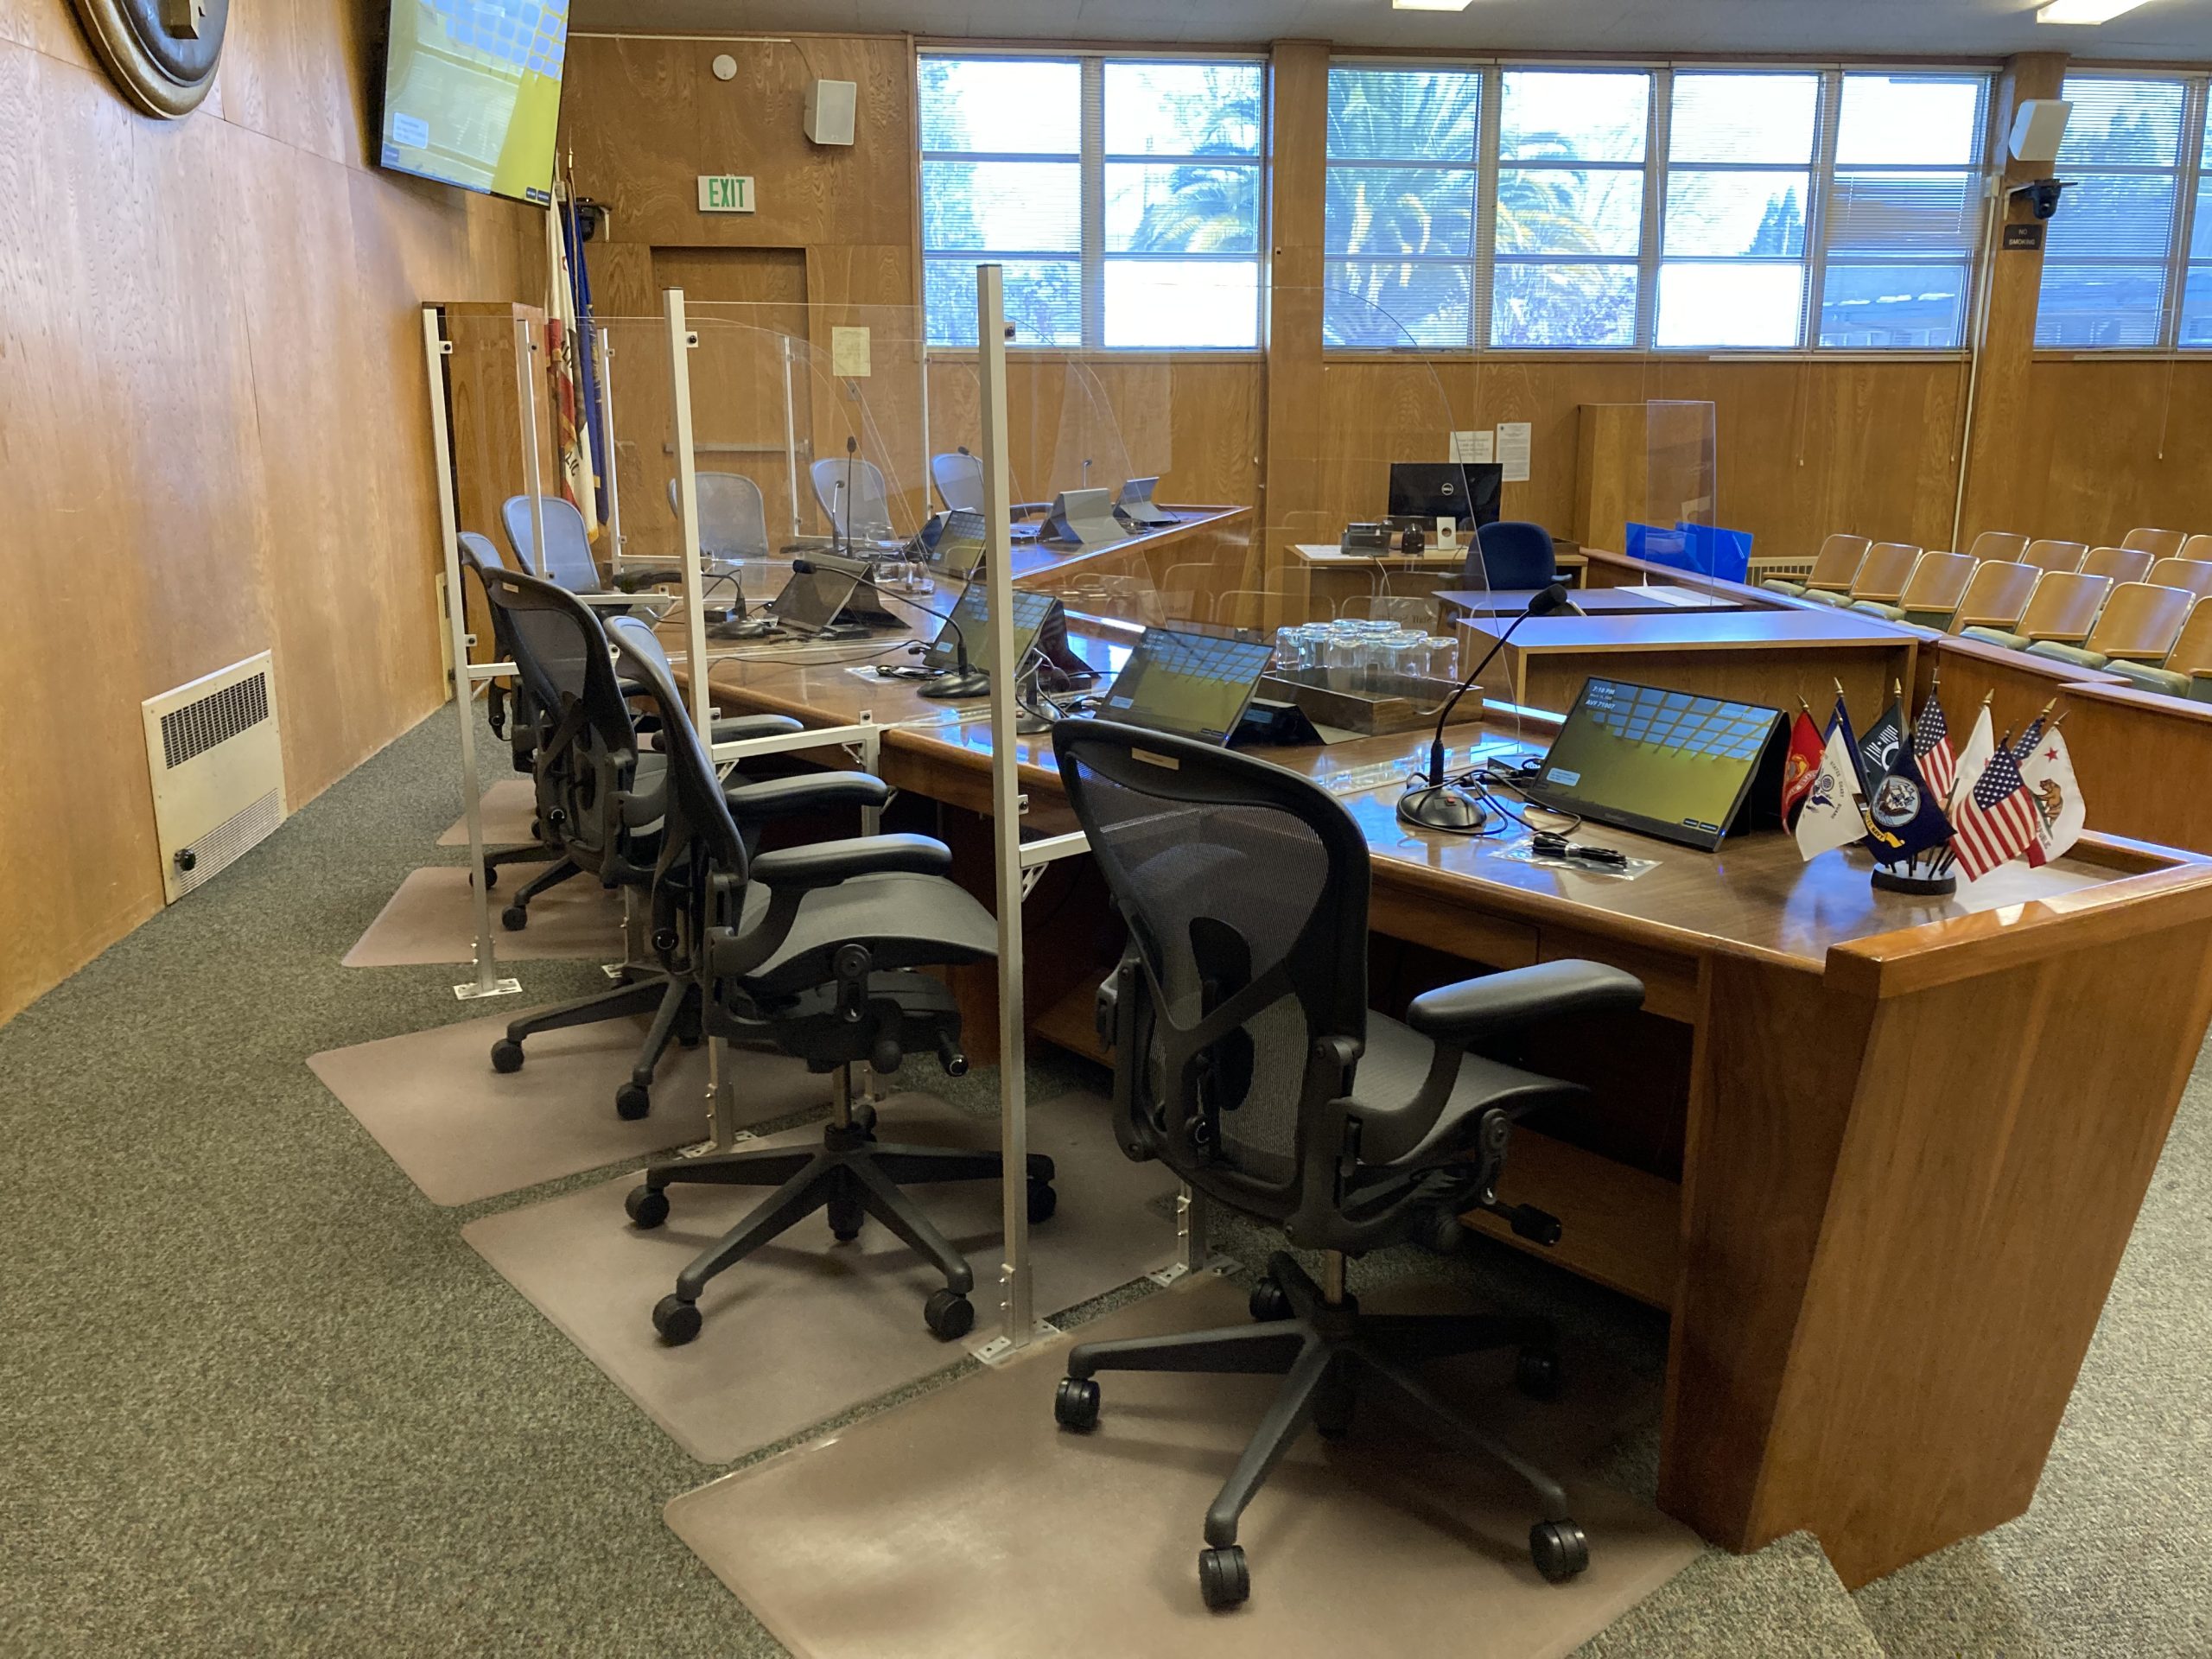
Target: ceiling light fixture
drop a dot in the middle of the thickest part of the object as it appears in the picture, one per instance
(2084, 11)
(1432, 5)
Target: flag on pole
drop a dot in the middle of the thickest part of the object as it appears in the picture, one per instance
(1880, 745)
(2027, 739)
(2048, 775)
(571, 448)
(1998, 822)
(1834, 812)
(1801, 764)
(586, 352)
(1981, 743)
(1931, 747)
(1903, 819)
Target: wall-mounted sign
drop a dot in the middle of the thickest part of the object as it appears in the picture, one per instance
(2026, 237)
(725, 192)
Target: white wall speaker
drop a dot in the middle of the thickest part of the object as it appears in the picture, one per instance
(830, 107)
(2038, 128)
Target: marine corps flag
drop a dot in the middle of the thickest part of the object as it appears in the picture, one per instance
(1834, 812)
(1800, 765)
(1904, 817)
(2048, 774)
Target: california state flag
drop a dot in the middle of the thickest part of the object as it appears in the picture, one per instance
(2048, 774)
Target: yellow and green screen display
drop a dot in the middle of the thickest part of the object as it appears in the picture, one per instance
(473, 92)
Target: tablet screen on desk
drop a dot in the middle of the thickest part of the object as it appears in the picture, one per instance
(1671, 763)
(1193, 684)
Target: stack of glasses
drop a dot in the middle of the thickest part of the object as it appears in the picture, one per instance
(1363, 655)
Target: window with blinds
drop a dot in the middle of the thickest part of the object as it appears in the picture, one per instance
(2108, 268)
(2195, 330)
(1399, 225)
(1739, 174)
(1903, 212)
(1571, 149)
(1559, 208)
(1122, 196)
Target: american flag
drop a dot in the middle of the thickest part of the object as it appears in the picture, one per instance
(1998, 822)
(1931, 747)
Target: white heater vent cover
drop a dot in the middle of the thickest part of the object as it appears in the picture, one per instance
(218, 770)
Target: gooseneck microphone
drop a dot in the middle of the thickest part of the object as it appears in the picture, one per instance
(963, 680)
(1439, 806)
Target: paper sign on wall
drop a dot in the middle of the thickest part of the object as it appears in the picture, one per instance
(1472, 445)
(848, 353)
(1513, 437)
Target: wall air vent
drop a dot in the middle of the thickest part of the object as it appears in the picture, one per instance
(217, 766)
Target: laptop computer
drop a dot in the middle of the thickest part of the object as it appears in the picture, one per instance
(1195, 685)
(1671, 764)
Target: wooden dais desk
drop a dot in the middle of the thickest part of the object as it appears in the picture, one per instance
(1877, 1155)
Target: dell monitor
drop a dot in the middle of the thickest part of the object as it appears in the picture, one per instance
(1428, 491)
(1671, 764)
(1193, 685)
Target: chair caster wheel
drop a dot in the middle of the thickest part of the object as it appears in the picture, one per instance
(1559, 1549)
(846, 1215)
(864, 1118)
(1332, 1412)
(1536, 1374)
(1075, 1405)
(1269, 1300)
(1223, 1580)
(491, 877)
(647, 1206)
(1043, 1201)
(948, 1314)
(506, 1055)
(631, 1102)
(514, 919)
(676, 1319)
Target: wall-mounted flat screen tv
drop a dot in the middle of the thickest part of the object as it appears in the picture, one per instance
(472, 93)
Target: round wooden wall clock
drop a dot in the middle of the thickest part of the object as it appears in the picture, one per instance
(161, 53)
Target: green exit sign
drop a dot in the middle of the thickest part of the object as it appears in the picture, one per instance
(725, 192)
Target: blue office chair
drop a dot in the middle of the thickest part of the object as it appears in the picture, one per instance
(1511, 555)
(733, 519)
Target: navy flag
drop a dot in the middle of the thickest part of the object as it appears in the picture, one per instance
(1904, 818)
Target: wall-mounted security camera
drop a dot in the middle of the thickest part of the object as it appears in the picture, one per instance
(2042, 194)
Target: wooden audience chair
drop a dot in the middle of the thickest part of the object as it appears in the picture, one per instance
(2055, 556)
(1931, 595)
(2122, 564)
(1997, 594)
(2187, 671)
(2159, 543)
(1881, 576)
(2193, 576)
(1833, 567)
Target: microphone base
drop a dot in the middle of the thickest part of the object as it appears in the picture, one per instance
(952, 683)
(1444, 807)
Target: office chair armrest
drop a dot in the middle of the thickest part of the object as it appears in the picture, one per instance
(630, 582)
(1476, 1008)
(826, 863)
(743, 728)
(813, 792)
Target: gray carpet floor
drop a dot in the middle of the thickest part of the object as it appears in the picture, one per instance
(256, 1396)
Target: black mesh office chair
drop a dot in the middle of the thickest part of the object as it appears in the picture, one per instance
(600, 798)
(1246, 1060)
(515, 716)
(812, 952)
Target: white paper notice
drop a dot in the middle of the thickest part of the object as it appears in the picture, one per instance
(1472, 445)
(848, 353)
(1513, 451)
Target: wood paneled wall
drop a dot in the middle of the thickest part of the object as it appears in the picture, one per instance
(212, 433)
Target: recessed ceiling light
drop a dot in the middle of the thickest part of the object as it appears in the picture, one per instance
(1447, 5)
(2084, 11)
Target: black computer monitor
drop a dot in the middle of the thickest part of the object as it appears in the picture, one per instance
(1429, 490)
(1671, 763)
(1195, 685)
